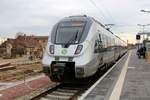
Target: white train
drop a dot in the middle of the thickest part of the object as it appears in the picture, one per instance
(78, 46)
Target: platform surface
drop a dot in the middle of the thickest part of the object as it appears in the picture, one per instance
(129, 80)
(137, 81)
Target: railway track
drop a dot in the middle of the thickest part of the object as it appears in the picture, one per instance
(67, 91)
(63, 92)
(73, 91)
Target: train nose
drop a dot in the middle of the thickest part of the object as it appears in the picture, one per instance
(62, 70)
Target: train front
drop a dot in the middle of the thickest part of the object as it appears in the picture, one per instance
(67, 52)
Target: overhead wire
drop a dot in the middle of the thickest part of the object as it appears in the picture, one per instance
(107, 19)
(110, 16)
(101, 13)
(107, 12)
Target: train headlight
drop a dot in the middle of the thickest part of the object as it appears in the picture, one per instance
(51, 49)
(79, 48)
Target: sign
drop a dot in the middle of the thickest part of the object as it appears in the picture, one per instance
(138, 37)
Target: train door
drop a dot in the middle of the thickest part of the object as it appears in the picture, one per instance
(101, 50)
(104, 53)
(111, 48)
(98, 49)
(115, 50)
(109, 51)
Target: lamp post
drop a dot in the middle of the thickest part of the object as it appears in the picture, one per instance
(143, 28)
(145, 11)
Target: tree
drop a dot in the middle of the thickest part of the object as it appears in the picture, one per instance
(19, 34)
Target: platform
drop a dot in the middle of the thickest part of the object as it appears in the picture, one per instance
(137, 81)
(128, 80)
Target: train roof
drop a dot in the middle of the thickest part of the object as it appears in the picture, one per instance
(87, 19)
(77, 18)
(83, 18)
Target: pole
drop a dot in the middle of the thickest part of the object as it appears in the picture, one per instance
(143, 31)
(145, 11)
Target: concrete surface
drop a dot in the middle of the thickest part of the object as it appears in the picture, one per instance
(5, 85)
(104, 89)
(137, 81)
(135, 84)
(25, 91)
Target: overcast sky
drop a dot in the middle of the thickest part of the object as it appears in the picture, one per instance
(38, 16)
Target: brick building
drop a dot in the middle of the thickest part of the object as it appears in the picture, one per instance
(26, 45)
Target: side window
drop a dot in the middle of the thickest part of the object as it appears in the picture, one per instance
(100, 42)
(96, 41)
(100, 39)
(104, 41)
(107, 42)
(96, 44)
(112, 41)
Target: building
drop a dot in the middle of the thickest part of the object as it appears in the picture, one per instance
(41, 44)
(6, 46)
(33, 46)
(2, 40)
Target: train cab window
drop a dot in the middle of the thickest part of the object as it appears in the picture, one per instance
(69, 32)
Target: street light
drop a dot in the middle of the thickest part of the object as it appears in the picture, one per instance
(145, 11)
(143, 28)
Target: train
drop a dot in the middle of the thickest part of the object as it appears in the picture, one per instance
(78, 46)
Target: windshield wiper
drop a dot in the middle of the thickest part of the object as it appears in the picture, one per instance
(73, 39)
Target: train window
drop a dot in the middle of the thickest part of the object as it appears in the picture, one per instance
(112, 41)
(107, 38)
(69, 32)
(104, 41)
(100, 38)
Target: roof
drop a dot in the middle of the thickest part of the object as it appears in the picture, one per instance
(24, 41)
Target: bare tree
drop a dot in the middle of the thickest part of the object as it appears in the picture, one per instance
(19, 34)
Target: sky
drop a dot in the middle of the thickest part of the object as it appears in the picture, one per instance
(37, 17)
